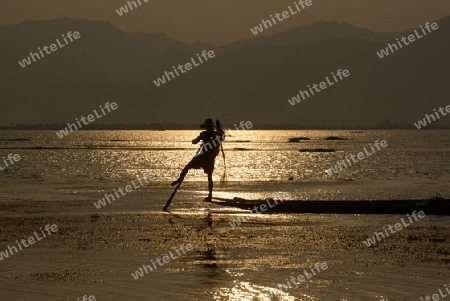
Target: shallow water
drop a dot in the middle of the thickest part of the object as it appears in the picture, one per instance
(411, 155)
(96, 250)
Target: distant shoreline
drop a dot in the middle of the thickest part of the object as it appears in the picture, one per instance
(179, 126)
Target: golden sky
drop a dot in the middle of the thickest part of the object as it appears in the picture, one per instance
(219, 22)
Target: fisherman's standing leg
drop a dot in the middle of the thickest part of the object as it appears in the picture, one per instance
(210, 187)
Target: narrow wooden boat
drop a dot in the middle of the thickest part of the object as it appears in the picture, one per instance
(435, 206)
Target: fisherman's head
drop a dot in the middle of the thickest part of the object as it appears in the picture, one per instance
(208, 124)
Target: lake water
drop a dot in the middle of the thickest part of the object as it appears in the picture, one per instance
(96, 250)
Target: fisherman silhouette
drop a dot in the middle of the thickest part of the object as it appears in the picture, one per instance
(206, 154)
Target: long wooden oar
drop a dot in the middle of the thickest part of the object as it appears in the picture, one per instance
(178, 186)
(171, 197)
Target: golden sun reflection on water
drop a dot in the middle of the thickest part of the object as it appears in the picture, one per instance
(252, 155)
(245, 291)
(249, 155)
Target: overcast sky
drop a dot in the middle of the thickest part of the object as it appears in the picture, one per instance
(219, 22)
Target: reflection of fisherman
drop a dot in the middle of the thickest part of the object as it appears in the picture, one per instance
(207, 153)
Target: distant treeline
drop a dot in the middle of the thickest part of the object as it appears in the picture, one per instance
(185, 126)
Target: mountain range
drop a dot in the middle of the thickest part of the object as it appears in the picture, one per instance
(248, 80)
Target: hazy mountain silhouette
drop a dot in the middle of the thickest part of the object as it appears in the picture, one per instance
(316, 31)
(247, 80)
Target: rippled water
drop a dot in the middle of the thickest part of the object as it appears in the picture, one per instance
(411, 157)
(96, 249)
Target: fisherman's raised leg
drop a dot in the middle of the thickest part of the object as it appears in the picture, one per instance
(183, 173)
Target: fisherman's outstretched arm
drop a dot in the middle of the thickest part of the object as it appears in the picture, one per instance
(196, 140)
